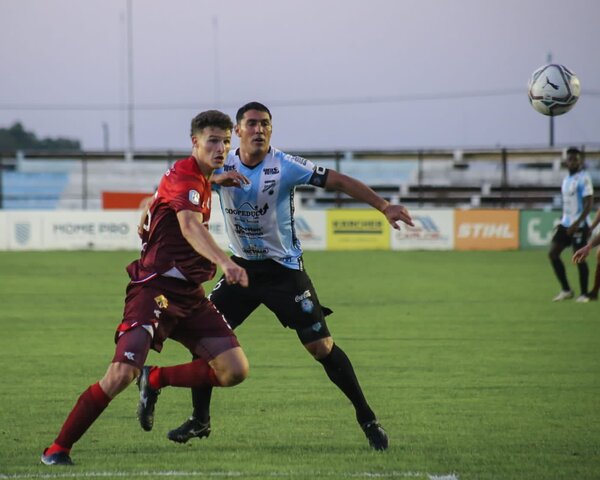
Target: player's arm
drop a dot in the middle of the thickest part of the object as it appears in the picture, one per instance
(580, 255)
(233, 178)
(596, 220)
(202, 241)
(143, 218)
(359, 191)
(587, 208)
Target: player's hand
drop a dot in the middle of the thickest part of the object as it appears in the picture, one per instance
(234, 274)
(397, 213)
(230, 179)
(579, 255)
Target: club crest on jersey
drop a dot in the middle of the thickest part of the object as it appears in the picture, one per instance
(194, 197)
(161, 301)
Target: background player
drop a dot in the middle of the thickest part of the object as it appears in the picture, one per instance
(573, 230)
(165, 298)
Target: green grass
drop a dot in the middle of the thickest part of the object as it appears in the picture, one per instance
(470, 367)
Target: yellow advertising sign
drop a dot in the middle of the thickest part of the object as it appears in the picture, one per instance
(486, 229)
(350, 229)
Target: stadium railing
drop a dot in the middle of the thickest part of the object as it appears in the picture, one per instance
(490, 178)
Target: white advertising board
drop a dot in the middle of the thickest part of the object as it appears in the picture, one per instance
(117, 229)
(72, 230)
(433, 230)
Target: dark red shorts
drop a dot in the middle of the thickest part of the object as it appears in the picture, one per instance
(171, 308)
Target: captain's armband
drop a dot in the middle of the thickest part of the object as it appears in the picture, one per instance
(319, 177)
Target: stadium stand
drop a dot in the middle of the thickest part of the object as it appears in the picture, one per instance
(496, 178)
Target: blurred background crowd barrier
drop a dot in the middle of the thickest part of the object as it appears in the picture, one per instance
(492, 178)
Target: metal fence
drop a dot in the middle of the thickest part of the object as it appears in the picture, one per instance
(519, 178)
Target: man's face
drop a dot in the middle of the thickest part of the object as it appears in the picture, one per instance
(211, 146)
(255, 131)
(573, 162)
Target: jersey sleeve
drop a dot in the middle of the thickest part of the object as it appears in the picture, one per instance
(305, 172)
(185, 195)
(586, 186)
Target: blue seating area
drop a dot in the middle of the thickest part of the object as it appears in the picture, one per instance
(32, 190)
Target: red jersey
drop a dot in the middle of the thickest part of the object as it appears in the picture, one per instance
(183, 187)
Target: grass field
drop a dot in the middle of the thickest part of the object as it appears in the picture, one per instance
(472, 370)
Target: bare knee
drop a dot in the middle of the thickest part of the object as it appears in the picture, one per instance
(117, 378)
(319, 349)
(231, 367)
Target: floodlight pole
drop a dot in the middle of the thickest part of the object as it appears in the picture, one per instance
(130, 108)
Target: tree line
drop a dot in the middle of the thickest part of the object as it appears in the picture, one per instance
(16, 137)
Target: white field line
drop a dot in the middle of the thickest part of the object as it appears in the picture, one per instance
(174, 473)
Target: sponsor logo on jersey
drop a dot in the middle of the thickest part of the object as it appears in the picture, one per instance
(255, 250)
(161, 301)
(269, 186)
(248, 232)
(228, 168)
(194, 197)
(248, 210)
(300, 160)
(271, 171)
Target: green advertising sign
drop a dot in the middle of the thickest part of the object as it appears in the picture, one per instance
(536, 228)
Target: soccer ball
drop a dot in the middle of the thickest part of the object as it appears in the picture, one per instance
(553, 89)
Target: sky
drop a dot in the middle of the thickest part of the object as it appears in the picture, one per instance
(336, 74)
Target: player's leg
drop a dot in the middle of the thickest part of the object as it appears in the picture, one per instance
(579, 240)
(293, 299)
(593, 295)
(340, 371)
(236, 304)
(219, 359)
(560, 241)
(131, 351)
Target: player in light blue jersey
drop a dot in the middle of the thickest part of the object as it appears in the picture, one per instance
(574, 228)
(259, 218)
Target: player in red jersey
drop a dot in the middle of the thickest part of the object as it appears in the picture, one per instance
(165, 298)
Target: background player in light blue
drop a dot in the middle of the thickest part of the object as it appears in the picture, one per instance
(260, 225)
(574, 228)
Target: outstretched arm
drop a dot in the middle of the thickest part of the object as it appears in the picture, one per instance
(359, 191)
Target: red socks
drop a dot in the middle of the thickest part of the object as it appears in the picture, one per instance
(88, 408)
(197, 373)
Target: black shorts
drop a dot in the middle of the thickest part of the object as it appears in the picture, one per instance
(288, 293)
(577, 240)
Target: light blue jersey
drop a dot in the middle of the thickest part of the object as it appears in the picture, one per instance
(259, 218)
(574, 189)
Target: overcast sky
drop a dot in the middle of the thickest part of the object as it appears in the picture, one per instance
(337, 74)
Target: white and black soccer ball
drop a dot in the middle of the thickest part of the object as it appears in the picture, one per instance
(553, 89)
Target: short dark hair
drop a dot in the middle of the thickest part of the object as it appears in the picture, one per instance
(211, 118)
(251, 106)
(574, 150)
